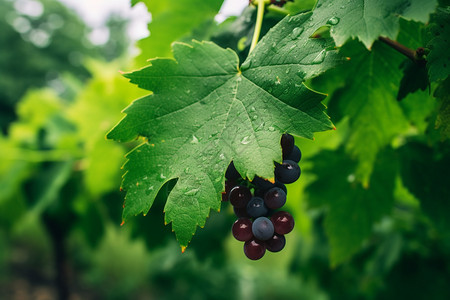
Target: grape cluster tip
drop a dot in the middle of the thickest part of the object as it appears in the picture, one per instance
(260, 224)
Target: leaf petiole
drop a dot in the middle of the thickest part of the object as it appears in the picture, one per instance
(259, 18)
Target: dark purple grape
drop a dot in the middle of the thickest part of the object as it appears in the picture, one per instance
(239, 196)
(256, 207)
(241, 212)
(254, 249)
(281, 186)
(242, 229)
(262, 228)
(275, 198)
(287, 144)
(283, 222)
(276, 243)
(287, 172)
(231, 172)
(295, 155)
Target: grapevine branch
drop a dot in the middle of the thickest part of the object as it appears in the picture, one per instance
(416, 56)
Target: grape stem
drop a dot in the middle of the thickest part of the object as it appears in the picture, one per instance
(416, 56)
(259, 18)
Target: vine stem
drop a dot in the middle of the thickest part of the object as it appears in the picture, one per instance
(259, 18)
(415, 55)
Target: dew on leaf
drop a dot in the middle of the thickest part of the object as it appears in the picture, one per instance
(245, 140)
(288, 70)
(253, 108)
(333, 21)
(162, 176)
(149, 190)
(320, 57)
(296, 32)
(191, 192)
(278, 81)
(222, 156)
(247, 64)
(194, 140)
(260, 127)
(255, 117)
(271, 128)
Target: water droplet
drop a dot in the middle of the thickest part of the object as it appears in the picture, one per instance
(320, 57)
(191, 192)
(245, 140)
(186, 170)
(292, 47)
(247, 64)
(342, 7)
(255, 117)
(188, 91)
(253, 108)
(194, 140)
(222, 156)
(333, 21)
(239, 79)
(162, 176)
(145, 178)
(296, 32)
(288, 70)
(260, 127)
(278, 81)
(271, 128)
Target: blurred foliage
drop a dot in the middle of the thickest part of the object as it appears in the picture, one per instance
(385, 238)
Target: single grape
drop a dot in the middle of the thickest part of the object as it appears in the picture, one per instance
(231, 172)
(254, 249)
(295, 155)
(262, 228)
(287, 172)
(283, 222)
(287, 144)
(239, 196)
(275, 198)
(276, 243)
(242, 229)
(241, 212)
(256, 207)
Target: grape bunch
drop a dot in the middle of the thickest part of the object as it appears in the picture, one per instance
(259, 225)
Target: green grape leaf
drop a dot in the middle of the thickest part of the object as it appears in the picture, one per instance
(438, 60)
(205, 112)
(415, 73)
(415, 77)
(443, 115)
(366, 20)
(352, 209)
(171, 20)
(369, 101)
(425, 173)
